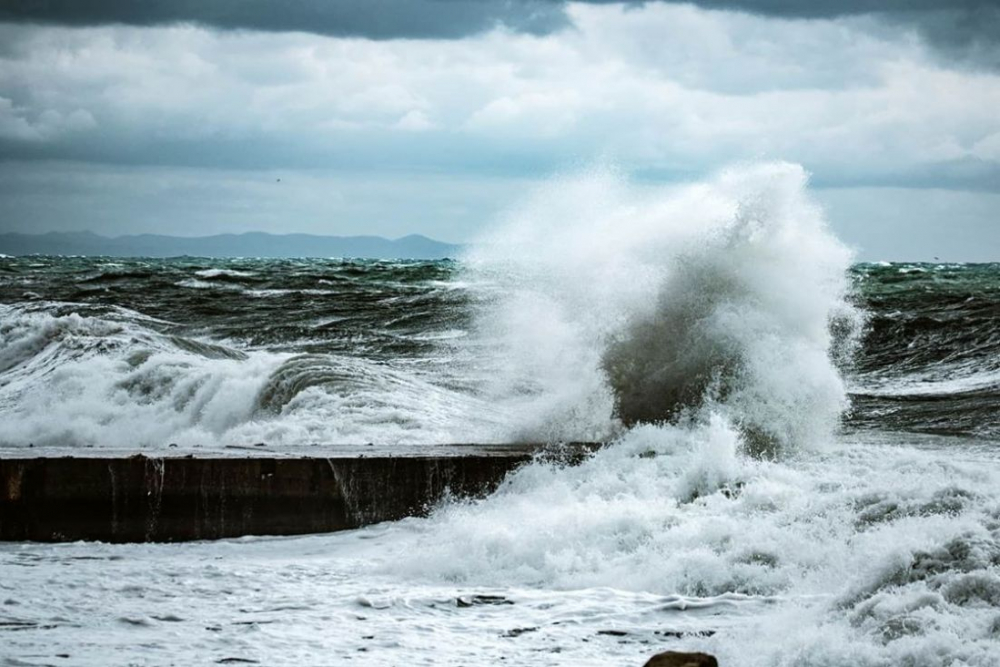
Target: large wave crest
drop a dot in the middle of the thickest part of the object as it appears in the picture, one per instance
(613, 304)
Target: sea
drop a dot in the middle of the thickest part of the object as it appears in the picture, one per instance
(802, 464)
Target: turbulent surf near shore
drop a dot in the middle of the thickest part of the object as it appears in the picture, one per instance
(802, 466)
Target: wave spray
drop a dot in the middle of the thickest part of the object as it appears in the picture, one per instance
(612, 305)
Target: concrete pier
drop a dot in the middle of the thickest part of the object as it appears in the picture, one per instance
(116, 498)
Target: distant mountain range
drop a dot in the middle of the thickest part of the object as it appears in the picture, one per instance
(252, 244)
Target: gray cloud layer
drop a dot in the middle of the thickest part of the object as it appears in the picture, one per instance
(963, 30)
(667, 89)
(375, 19)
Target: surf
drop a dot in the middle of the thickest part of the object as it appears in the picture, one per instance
(613, 305)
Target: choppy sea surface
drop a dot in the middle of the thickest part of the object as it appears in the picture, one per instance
(803, 464)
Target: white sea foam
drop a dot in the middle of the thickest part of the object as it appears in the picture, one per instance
(266, 293)
(969, 379)
(196, 284)
(883, 553)
(229, 273)
(71, 381)
(867, 555)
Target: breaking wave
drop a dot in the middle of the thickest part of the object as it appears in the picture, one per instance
(615, 305)
(121, 380)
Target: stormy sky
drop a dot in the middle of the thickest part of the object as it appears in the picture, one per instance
(398, 116)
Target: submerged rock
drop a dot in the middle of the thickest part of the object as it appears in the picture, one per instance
(678, 659)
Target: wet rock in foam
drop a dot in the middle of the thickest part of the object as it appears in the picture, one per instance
(678, 659)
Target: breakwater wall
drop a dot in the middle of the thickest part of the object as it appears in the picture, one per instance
(176, 498)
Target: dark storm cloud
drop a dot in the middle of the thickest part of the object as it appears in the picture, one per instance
(961, 29)
(972, 35)
(967, 30)
(832, 8)
(375, 19)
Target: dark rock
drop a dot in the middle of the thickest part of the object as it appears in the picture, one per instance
(517, 632)
(470, 600)
(678, 659)
(680, 634)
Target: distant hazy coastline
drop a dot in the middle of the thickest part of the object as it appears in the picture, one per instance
(252, 244)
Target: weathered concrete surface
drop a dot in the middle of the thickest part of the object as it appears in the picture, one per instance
(167, 499)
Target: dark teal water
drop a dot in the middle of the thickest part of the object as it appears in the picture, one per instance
(929, 358)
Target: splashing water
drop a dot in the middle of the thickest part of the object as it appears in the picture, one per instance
(614, 306)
